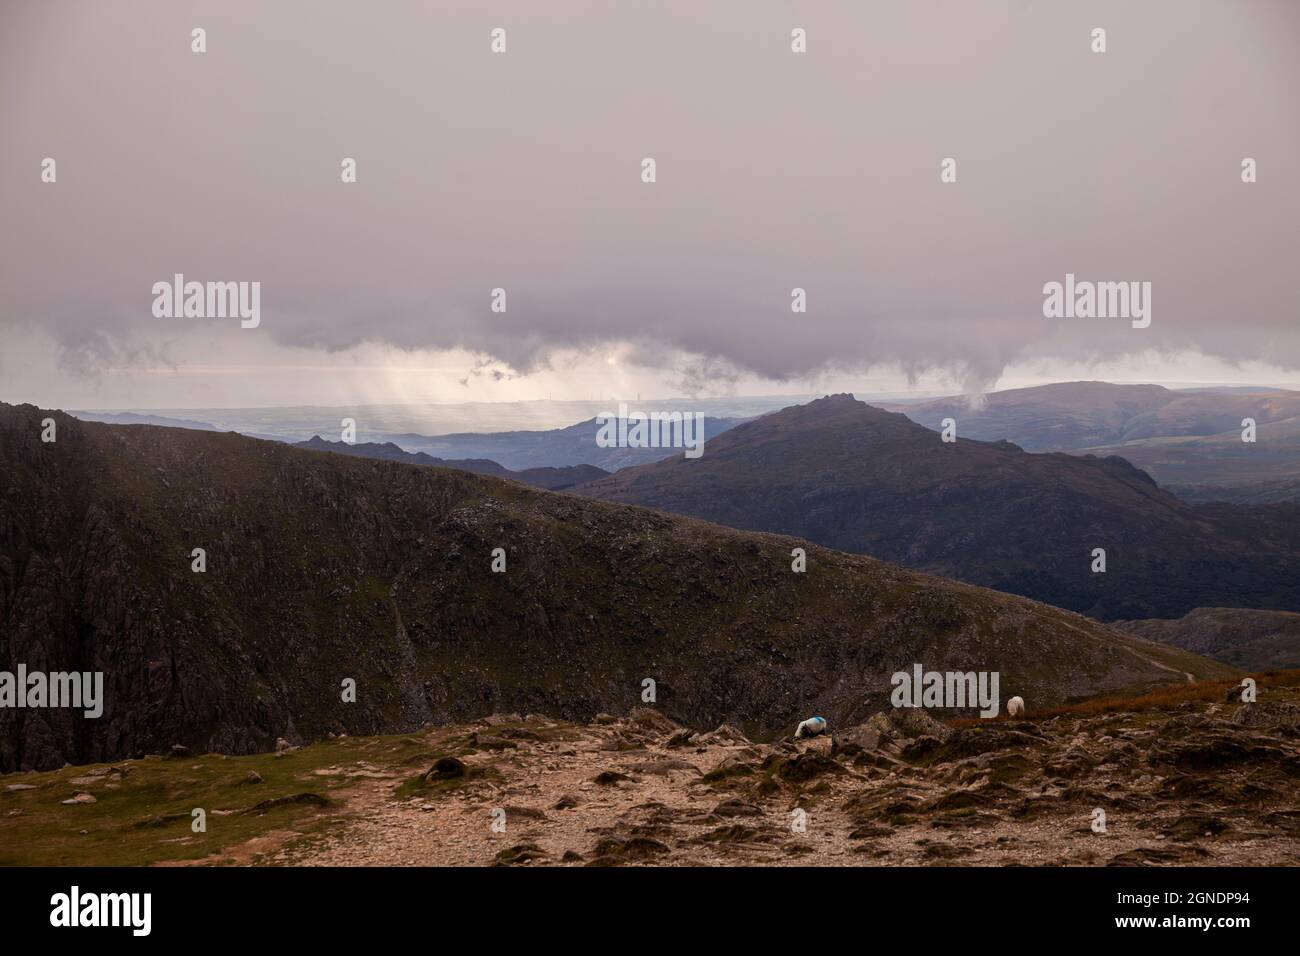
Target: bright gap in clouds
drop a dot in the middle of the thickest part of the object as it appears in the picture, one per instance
(232, 372)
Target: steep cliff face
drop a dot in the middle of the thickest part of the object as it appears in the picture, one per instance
(322, 568)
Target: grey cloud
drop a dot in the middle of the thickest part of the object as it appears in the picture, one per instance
(775, 171)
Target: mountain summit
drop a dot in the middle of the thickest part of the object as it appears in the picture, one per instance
(857, 478)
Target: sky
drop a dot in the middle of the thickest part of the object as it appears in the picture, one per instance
(522, 171)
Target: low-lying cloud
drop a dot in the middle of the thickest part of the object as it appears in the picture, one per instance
(776, 170)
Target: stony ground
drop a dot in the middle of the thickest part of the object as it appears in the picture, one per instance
(1189, 776)
(1213, 784)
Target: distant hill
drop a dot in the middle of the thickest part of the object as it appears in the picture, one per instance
(554, 479)
(1242, 493)
(1189, 441)
(380, 422)
(1247, 639)
(1070, 416)
(860, 479)
(324, 568)
(1222, 467)
(1059, 417)
(573, 445)
(134, 418)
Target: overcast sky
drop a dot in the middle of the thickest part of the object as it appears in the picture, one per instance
(522, 170)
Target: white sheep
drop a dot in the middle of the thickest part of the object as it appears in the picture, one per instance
(810, 728)
(1015, 706)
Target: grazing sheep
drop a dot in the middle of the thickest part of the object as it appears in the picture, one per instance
(810, 728)
(1015, 706)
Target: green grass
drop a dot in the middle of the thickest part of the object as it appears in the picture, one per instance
(146, 818)
(417, 786)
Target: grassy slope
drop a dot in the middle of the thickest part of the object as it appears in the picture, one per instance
(146, 818)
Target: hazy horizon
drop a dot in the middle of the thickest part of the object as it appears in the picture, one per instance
(861, 393)
(776, 171)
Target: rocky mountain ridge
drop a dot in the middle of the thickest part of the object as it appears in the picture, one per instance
(860, 479)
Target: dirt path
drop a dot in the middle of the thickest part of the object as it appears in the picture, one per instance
(615, 794)
(1164, 667)
(1142, 657)
(545, 795)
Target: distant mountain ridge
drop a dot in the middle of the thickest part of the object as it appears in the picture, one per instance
(572, 445)
(1221, 466)
(135, 418)
(861, 479)
(553, 479)
(515, 451)
(1188, 440)
(1073, 416)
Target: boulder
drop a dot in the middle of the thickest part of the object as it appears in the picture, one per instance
(724, 734)
(1269, 715)
(649, 720)
(446, 768)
